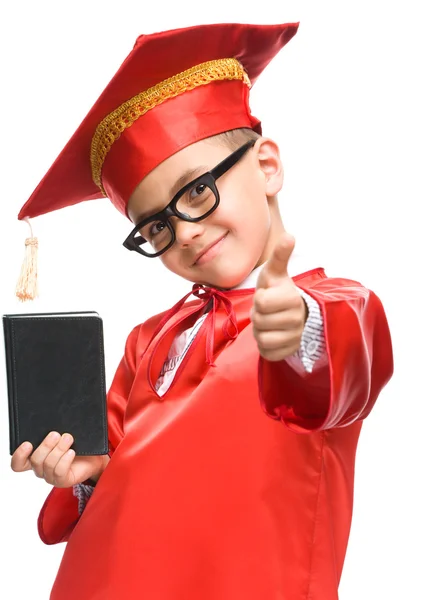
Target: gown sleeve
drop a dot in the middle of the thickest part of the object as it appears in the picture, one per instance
(59, 514)
(359, 363)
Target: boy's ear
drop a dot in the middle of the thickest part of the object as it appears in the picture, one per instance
(270, 165)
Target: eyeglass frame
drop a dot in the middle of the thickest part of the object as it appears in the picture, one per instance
(164, 215)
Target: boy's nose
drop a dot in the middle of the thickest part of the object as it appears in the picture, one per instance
(186, 231)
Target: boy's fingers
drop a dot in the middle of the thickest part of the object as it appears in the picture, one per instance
(56, 454)
(48, 466)
(40, 454)
(276, 340)
(270, 300)
(20, 459)
(276, 321)
(61, 474)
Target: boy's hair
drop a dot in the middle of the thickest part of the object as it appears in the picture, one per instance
(235, 138)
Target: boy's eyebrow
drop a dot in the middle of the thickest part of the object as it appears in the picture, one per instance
(186, 177)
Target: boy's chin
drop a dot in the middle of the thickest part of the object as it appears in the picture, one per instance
(224, 282)
(224, 275)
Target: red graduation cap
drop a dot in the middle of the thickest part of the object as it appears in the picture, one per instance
(173, 89)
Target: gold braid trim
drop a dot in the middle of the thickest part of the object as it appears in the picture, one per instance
(113, 125)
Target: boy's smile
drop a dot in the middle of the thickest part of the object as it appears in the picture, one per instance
(210, 251)
(223, 248)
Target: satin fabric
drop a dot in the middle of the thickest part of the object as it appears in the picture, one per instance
(237, 484)
(193, 116)
(168, 127)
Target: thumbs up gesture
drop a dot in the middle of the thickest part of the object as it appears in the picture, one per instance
(279, 313)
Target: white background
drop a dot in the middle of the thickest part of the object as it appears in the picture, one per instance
(352, 102)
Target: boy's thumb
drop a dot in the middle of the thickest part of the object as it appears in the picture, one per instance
(277, 265)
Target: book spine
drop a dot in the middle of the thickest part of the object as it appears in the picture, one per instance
(99, 323)
(12, 396)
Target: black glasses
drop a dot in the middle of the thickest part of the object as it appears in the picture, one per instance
(194, 202)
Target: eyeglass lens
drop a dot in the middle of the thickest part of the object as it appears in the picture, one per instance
(195, 202)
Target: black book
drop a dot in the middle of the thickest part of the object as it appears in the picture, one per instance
(56, 379)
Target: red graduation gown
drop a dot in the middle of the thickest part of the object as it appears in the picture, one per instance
(237, 484)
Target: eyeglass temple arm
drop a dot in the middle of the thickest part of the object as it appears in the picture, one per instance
(133, 242)
(232, 159)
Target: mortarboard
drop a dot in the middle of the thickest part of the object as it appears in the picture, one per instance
(173, 89)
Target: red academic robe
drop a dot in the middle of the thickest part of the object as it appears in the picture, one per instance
(237, 484)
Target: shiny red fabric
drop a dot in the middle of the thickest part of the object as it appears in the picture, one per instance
(169, 127)
(206, 496)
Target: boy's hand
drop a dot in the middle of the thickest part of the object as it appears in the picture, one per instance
(56, 463)
(279, 313)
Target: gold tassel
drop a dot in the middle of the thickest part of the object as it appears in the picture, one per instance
(27, 285)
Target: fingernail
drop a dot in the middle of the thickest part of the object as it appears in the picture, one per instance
(67, 438)
(54, 435)
(26, 446)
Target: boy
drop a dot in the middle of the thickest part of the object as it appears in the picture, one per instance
(233, 418)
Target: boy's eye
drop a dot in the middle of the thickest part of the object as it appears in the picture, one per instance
(156, 228)
(197, 190)
(196, 201)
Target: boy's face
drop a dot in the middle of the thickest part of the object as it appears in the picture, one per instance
(226, 246)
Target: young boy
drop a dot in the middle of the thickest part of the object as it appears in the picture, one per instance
(233, 418)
